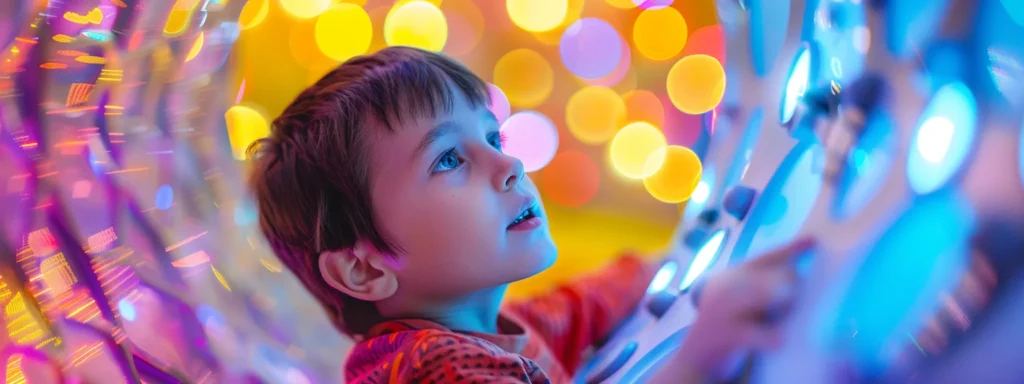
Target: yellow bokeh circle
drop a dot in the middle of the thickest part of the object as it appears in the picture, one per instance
(537, 15)
(696, 84)
(417, 24)
(633, 147)
(305, 9)
(554, 36)
(253, 13)
(678, 172)
(660, 34)
(622, 4)
(525, 76)
(245, 125)
(593, 114)
(343, 31)
(437, 3)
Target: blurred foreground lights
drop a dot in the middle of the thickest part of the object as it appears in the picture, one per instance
(696, 84)
(245, 125)
(417, 24)
(660, 34)
(637, 150)
(591, 48)
(571, 180)
(525, 76)
(675, 173)
(305, 9)
(253, 13)
(537, 15)
(349, 21)
(593, 114)
(531, 137)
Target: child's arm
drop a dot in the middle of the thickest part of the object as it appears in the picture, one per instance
(578, 314)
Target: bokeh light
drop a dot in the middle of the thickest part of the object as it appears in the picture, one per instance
(622, 4)
(465, 26)
(590, 48)
(696, 84)
(525, 76)
(636, 150)
(709, 40)
(532, 138)
(253, 13)
(660, 34)
(572, 179)
(343, 31)
(305, 9)
(594, 114)
(499, 103)
(537, 15)
(618, 74)
(417, 24)
(554, 36)
(675, 172)
(245, 125)
(643, 105)
(652, 4)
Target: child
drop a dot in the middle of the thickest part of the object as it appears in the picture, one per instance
(383, 187)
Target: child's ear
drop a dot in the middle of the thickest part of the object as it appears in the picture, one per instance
(360, 271)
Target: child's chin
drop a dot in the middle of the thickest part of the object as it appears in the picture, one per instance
(542, 260)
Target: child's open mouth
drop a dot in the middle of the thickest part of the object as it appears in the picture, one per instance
(526, 220)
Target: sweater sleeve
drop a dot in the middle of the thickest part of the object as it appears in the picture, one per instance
(578, 314)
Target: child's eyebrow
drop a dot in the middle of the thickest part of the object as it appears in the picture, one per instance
(432, 135)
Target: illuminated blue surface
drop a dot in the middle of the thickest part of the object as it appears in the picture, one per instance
(743, 151)
(663, 277)
(164, 197)
(705, 258)
(796, 84)
(943, 139)
(643, 370)
(126, 309)
(784, 205)
(769, 20)
(911, 22)
(867, 168)
(1015, 9)
(701, 195)
(901, 281)
(1020, 154)
(839, 28)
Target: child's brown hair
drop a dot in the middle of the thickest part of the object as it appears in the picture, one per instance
(311, 176)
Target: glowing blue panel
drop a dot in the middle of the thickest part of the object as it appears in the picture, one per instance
(743, 151)
(785, 203)
(943, 139)
(648, 365)
(840, 31)
(769, 20)
(911, 22)
(126, 309)
(701, 195)
(663, 277)
(901, 281)
(867, 166)
(706, 256)
(796, 84)
(1020, 154)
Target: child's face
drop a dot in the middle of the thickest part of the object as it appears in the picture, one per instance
(447, 196)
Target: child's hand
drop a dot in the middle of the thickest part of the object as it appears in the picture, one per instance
(739, 311)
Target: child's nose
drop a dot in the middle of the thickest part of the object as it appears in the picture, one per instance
(510, 172)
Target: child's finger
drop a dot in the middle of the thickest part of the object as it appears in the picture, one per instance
(786, 254)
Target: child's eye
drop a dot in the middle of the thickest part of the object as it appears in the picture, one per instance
(497, 140)
(448, 161)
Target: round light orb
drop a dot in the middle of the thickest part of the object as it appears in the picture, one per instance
(660, 34)
(635, 150)
(532, 138)
(593, 114)
(537, 15)
(245, 125)
(674, 174)
(347, 20)
(643, 105)
(943, 139)
(571, 179)
(696, 84)
(525, 76)
(305, 9)
(590, 48)
(417, 24)
(499, 106)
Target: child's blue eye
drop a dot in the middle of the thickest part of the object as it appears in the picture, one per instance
(497, 140)
(447, 162)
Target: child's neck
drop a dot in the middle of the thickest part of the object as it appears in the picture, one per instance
(477, 312)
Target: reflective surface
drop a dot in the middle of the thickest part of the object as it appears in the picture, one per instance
(944, 138)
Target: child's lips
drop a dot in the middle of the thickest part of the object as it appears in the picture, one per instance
(527, 225)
